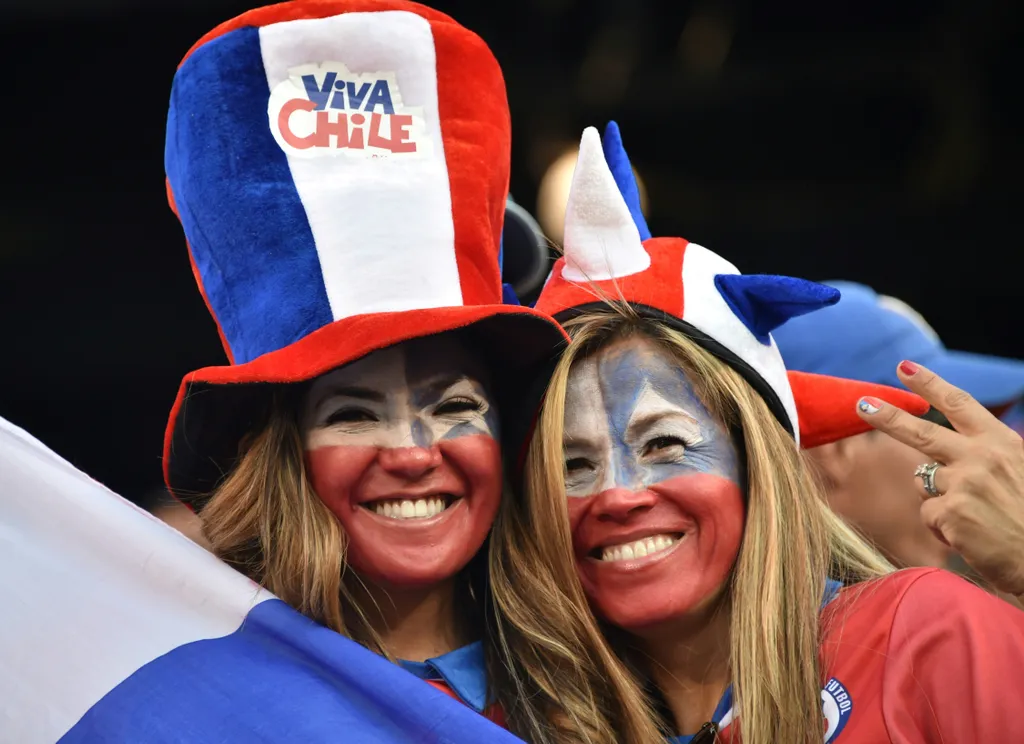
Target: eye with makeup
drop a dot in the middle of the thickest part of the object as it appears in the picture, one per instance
(458, 406)
(350, 416)
(578, 471)
(664, 447)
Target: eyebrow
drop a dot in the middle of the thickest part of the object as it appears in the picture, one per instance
(439, 384)
(351, 391)
(584, 442)
(650, 418)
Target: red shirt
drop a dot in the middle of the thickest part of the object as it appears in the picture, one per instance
(926, 657)
(920, 657)
(493, 713)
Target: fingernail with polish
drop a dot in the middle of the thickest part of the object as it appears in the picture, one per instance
(908, 368)
(869, 405)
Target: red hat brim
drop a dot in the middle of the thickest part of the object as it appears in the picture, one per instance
(827, 406)
(217, 406)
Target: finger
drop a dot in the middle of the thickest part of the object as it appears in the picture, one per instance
(937, 442)
(941, 480)
(934, 513)
(965, 413)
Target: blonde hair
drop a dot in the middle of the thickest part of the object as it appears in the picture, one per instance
(792, 541)
(266, 521)
(547, 664)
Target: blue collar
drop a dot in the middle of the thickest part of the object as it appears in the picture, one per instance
(463, 670)
(724, 706)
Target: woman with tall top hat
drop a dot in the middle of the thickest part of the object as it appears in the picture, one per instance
(340, 169)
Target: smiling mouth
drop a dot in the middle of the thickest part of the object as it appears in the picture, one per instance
(637, 548)
(411, 508)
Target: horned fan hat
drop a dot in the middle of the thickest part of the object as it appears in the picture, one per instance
(609, 252)
(340, 169)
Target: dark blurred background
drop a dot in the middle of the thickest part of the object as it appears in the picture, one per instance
(873, 141)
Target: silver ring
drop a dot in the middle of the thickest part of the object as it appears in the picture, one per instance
(927, 475)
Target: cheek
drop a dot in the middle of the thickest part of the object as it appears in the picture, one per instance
(717, 507)
(578, 508)
(478, 458)
(336, 471)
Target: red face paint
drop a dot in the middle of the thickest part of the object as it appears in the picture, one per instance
(406, 552)
(703, 513)
(656, 511)
(400, 446)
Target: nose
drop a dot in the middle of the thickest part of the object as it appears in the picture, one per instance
(620, 504)
(410, 463)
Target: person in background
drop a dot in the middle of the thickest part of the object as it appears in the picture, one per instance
(866, 336)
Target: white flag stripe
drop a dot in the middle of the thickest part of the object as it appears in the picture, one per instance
(383, 227)
(93, 589)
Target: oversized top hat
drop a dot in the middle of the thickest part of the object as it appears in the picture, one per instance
(340, 169)
(609, 253)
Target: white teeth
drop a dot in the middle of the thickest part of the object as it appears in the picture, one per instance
(407, 509)
(638, 549)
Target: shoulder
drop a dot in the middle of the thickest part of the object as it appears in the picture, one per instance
(928, 596)
(913, 590)
(874, 601)
(915, 602)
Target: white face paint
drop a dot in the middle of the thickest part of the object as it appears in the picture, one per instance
(655, 509)
(401, 446)
(384, 401)
(623, 424)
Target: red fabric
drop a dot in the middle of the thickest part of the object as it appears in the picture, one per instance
(827, 406)
(927, 658)
(477, 130)
(660, 286)
(494, 714)
(477, 135)
(347, 340)
(304, 9)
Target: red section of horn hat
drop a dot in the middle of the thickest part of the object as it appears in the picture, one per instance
(827, 406)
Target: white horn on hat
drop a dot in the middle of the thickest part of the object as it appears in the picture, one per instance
(601, 240)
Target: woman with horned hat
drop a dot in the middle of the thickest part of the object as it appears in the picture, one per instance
(666, 459)
(340, 170)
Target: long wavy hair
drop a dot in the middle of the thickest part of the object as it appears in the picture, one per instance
(792, 541)
(548, 665)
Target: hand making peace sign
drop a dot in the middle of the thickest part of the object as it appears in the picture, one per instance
(976, 503)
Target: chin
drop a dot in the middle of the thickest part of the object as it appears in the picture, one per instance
(649, 608)
(413, 570)
(638, 615)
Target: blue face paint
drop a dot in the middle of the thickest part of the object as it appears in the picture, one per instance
(414, 395)
(633, 419)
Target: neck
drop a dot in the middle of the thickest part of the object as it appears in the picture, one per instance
(689, 662)
(414, 623)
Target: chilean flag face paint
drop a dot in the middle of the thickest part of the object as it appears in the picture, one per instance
(401, 446)
(655, 504)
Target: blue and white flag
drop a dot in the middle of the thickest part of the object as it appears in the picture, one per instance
(116, 628)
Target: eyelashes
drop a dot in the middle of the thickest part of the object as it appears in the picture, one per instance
(660, 449)
(456, 407)
(664, 444)
(350, 416)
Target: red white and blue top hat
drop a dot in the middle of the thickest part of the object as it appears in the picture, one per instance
(340, 169)
(609, 252)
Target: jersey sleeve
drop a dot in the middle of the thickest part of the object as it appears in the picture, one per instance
(955, 666)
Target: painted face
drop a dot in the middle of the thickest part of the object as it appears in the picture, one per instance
(401, 446)
(655, 506)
